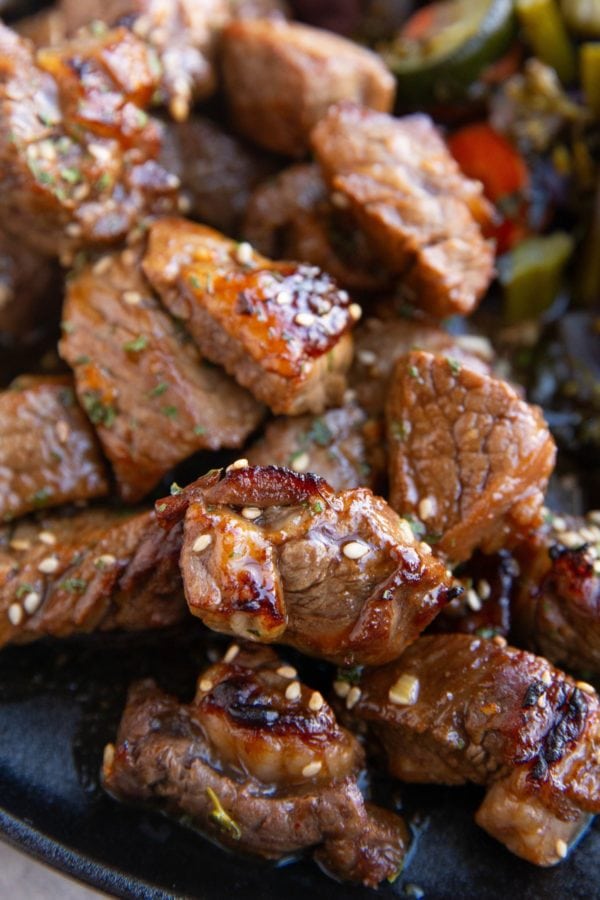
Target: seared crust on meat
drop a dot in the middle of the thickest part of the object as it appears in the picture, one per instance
(275, 555)
(280, 78)
(556, 602)
(151, 398)
(280, 328)
(409, 196)
(466, 454)
(48, 451)
(255, 766)
(455, 708)
(96, 570)
(77, 150)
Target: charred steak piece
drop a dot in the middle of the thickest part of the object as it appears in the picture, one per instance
(292, 216)
(94, 570)
(77, 150)
(408, 195)
(151, 398)
(455, 708)
(379, 344)
(281, 77)
(280, 328)
(275, 555)
(556, 604)
(336, 445)
(467, 456)
(48, 451)
(258, 763)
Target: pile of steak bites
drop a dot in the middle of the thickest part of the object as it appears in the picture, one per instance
(238, 288)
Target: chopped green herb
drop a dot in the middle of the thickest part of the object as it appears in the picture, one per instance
(413, 371)
(320, 433)
(24, 589)
(98, 412)
(399, 430)
(170, 411)
(74, 585)
(318, 507)
(103, 182)
(352, 675)
(175, 489)
(199, 430)
(142, 118)
(418, 529)
(41, 497)
(222, 819)
(454, 364)
(161, 507)
(98, 28)
(82, 360)
(159, 390)
(70, 174)
(137, 344)
(195, 282)
(67, 327)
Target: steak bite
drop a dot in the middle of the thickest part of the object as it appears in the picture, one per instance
(292, 216)
(258, 763)
(96, 570)
(407, 194)
(467, 456)
(48, 451)
(77, 151)
(379, 344)
(274, 555)
(556, 603)
(280, 328)
(29, 293)
(151, 398)
(281, 77)
(455, 709)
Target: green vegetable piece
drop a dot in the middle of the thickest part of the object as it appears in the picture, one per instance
(546, 34)
(137, 344)
(221, 818)
(531, 275)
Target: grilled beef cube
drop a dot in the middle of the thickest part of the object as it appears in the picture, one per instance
(275, 555)
(467, 456)
(258, 763)
(77, 151)
(409, 197)
(292, 216)
(29, 292)
(379, 344)
(217, 171)
(281, 329)
(556, 604)
(336, 445)
(151, 398)
(48, 451)
(281, 77)
(455, 709)
(96, 570)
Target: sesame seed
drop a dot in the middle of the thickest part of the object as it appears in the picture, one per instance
(405, 532)
(251, 512)
(238, 464)
(99, 152)
(366, 357)
(127, 257)
(427, 507)
(570, 539)
(541, 701)
(46, 537)
(585, 687)
(132, 298)
(108, 757)
(305, 319)
(405, 690)
(31, 602)
(205, 684)
(231, 654)
(312, 768)
(287, 671)
(283, 298)
(587, 534)
(483, 589)
(425, 548)
(62, 431)
(104, 561)
(48, 565)
(316, 701)
(293, 691)
(596, 567)
(500, 641)
(102, 266)
(73, 229)
(300, 463)
(349, 396)
(355, 550)
(15, 614)
(473, 600)
(594, 516)
(244, 253)
(562, 848)
(201, 543)
(339, 200)
(547, 677)
(341, 688)
(354, 695)
(355, 311)
(19, 544)
(559, 524)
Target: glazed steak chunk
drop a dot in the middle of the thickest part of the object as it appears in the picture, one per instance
(336, 445)
(408, 195)
(379, 344)
(256, 762)
(95, 570)
(455, 708)
(274, 555)
(48, 451)
(281, 329)
(151, 398)
(77, 151)
(281, 77)
(467, 455)
(292, 216)
(556, 603)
